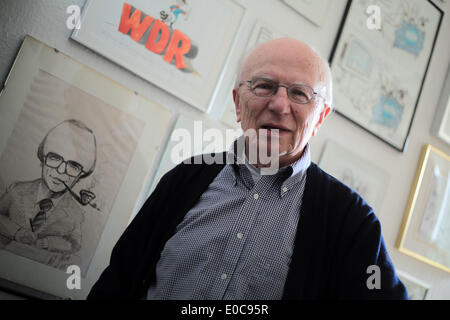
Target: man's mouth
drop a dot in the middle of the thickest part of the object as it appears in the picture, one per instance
(56, 180)
(271, 127)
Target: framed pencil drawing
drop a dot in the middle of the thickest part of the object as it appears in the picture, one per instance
(180, 46)
(75, 150)
(424, 233)
(379, 63)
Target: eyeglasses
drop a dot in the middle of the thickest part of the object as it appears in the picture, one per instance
(53, 160)
(298, 93)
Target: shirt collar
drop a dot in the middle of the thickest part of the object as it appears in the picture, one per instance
(298, 170)
(43, 194)
(294, 172)
(301, 165)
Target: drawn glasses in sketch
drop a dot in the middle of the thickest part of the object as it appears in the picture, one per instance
(72, 168)
(298, 93)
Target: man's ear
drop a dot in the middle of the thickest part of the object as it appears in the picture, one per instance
(322, 116)
(236, 104)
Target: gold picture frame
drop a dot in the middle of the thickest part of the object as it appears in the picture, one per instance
(427, 216)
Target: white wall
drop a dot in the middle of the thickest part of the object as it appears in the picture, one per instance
(46, 21)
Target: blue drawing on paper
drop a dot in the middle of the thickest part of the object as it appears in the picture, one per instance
(387, 112)
(409, 38)
(359, 59)
(176, 11)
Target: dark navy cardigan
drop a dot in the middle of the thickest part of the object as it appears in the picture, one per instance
(338, 238)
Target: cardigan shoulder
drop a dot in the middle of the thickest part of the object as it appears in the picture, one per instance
(344, 211)
(349, 232)
(339, 197)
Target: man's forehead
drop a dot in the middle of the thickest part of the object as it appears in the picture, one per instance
(72, 143)
(279, 56)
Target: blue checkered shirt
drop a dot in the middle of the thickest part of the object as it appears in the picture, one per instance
(236, 242)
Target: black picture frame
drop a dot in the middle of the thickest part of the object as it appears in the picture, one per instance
(338, 51)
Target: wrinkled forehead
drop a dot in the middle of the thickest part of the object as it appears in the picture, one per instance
(72, 143)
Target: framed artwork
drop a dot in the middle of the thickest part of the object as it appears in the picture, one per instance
(368, 180)
(191, 137)
(75, 151)
(441, 126)
(313, 10)
(424, 233)
(262, 32)
(180, 46)
(417, 290)
(379, 63)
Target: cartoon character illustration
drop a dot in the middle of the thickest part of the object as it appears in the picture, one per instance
(410, 34)
(166, 18)
(409, 38)
(171, 17)
(389, 109)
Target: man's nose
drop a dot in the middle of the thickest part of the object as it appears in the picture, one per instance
(280, 102)
(61, 168)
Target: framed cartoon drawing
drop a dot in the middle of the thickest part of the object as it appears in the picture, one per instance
(180, 46)
(379, 64)
(424, 233)
(75, 150)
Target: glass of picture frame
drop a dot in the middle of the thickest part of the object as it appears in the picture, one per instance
(379, 64)
(424, 232)
(53, 104)
(180, 46)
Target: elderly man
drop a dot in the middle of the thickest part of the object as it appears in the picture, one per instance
(39, 218)
(227, 231)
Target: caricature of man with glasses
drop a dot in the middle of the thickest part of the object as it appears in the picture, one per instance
(44, 213)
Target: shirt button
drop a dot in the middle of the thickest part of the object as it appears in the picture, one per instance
(240, 235)
(285, 189)
(256, 196)
(223, 276)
